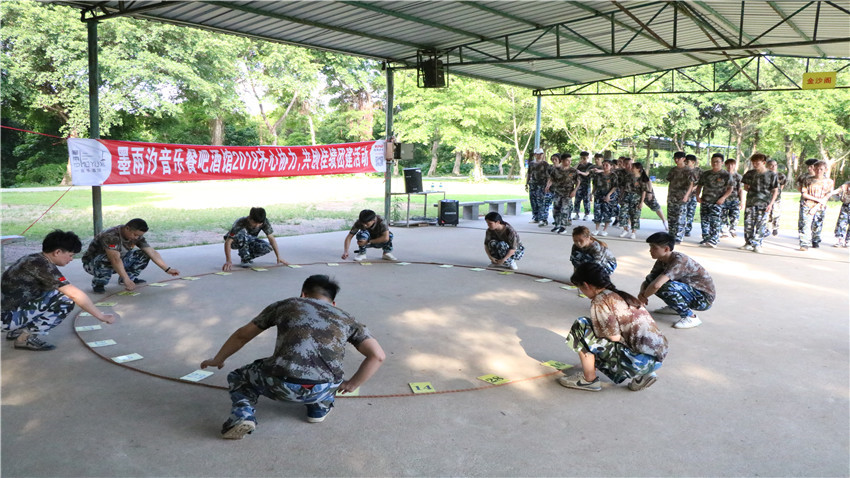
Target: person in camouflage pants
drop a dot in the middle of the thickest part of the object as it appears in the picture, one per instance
(816, 193)
(681, 186)
(582, 195)
(535, 183)
(776, 210)
(713, 187)
(691, 163)
(306, 366)
(562, 184)
(730, 213)
(604, 197)
(842, 232)
(243, 236)
(762, 187)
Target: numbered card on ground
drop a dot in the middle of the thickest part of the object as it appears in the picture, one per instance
(190, 278)
(333, 264)
(446, 265)
(101, 343)
(477, 269)
(130, 293)
(402, 263)
(86, 314)
(422, 387)
(163, 284)
(365, 263)
(569, 287)
(294, 266)
(196, 376)
(87, 328)
(493, 379)
(504, 273)
(582, 295)
(105, 304)
(354, 393)
(556, 364)
(259, 269)
(223, 273)
(542, 280)
(127, 358)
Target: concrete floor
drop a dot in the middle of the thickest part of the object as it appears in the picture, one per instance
(762, 388)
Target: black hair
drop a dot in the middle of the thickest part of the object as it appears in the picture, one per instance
(597, 155)
(137, 225)
(730, 161)
(811, 162)
(690, 157)
(758, 157)
(584, 153)
(320, 285)
(679, 154)
(585, 232)
(366, 215)
(643, 177)
(58, 239)
(717, 155)
(662, 239)
(566, 156)
(593, 274)
(257, 214)
(494, 217)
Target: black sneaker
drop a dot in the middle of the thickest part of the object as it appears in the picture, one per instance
(815, 245)
(247, 264)
(554, 229)
(687, 234)
(14, 334)
(562, 230)
(135, 281)
(34, 343)
(237, 430)
(543, 224)
(98, 289)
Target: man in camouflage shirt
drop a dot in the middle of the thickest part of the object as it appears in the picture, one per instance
(306, 366)
(36, 295)
(715, 185)
(535, 183)
(692, 163)
(680, 187)
(731, 212)
(604, 197)
(815, 195)
(244, 237)
(678, 280)
(776, 210)
(562, 183)
(584, 167)
(762, 188)
(124, 251)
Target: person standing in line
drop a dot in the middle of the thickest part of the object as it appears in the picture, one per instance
(762, 188)
(816, 192)
(714, 186)
(604, 197)
(535, 182)
(842, 231)
(776, 210)
(692, 163)
(680, 187)
(562, 184)
(731, 212)
(583, 192)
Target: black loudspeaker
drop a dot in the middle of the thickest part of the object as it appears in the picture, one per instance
(448, 212)
(412, 180)
(433, 74)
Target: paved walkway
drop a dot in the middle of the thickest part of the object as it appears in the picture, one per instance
(762, 388)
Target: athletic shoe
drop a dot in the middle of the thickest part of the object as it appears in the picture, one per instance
(839, 244)
(543, 224)
(554, 229)
(732, 233)
(586, 217)
(746, 247)
(776, 232)
(359, 257)
(562, 230)
(533, 221)
(757, 249)
(578, 382)
(493, 264)
(642, 381)
(238, 430)
(632, 235)
(804, 248)
(724, 234)
(687, 234)
(596, 233)
(707, 244)
(576, 218)
(98, 289)
(317, 414)
(815, 245)
(665, 310)
(32, 342)
(513, 266)
(246, 264)
(688, 322)
(388, 256)
(624, 233)
(135, 281)
(603, 233)
(14, 334)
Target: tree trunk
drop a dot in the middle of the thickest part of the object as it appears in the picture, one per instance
(458, 159)
(432, 169)
(217, 131)
(312, 130)
(477, 172)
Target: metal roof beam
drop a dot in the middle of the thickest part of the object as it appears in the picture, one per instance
(120, 12)
(784, 20)
(797, 29)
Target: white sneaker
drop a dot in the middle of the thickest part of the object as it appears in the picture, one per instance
(746, 247)
(624, 233)
(688, 323)
(359, 257)
(596, 233)
(388, 256)
(632, 235)
(603, 233)
(665, 310)
(513, 266)
(757, 249)
(586, 217)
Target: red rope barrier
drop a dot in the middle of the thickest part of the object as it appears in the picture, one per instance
(48, 209)
(32, 132)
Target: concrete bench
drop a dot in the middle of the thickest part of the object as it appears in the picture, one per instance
(470, 209)
(506, 207)
(7, 240)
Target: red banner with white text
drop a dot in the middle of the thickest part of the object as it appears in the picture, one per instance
(96, 162)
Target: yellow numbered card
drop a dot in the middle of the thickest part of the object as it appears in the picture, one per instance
(355, 393)
(493, 379)
(189, 278)
(504, 273)
(106, 304)
(258, 269)
(219, 274)
(294, 266)
(477, 269)
(422, 387)
(129, 292)
(365, 263)
(569, 287)
(542, 280)
(333, 264)
(556, 364)
(160, 284)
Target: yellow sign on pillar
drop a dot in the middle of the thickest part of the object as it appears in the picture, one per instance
(819, 81)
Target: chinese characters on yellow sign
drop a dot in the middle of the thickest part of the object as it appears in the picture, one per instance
(819, 81)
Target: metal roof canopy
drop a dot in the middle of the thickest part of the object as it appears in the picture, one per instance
(543, 45)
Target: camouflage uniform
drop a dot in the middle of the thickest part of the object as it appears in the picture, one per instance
(595, 252)
(630, 204)
(649, 198)
(776, 210)
(692, 204)
(377, 230)
(679, 179)
(31, 299)
(730, 214)
(563, 184)
(499, 243)
(842, 232)
(96, 263)
(641, 349)
(812, 212)
(761, 186)
(801, 182)
(538, 174)
(245, 239)
(689, 287)
(603, 212)
(714, 186)
(583, 191)
(306, 366)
